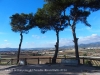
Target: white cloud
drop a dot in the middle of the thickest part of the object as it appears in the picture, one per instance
(39, 44)
(5, 40)
(4, 45)
(89, 39)
(28, 45)
(48, 44)
(64, 41)
(82, 40)
(36, 36)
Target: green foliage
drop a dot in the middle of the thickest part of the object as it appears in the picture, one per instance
(46, 20)
(85, 54)
(90, 4)
(65, 56)
(88, 62)
(49, 19)
(36, 54)
(21, 22)
(79, 10)
(76, 10)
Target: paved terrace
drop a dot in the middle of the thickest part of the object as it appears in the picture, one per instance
(49, 70)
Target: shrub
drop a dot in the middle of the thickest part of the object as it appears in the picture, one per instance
(85, 54)
(65, 56)
(88, 62)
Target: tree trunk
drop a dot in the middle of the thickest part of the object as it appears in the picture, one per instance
(75, 45)
(56, 48)
(19, 47)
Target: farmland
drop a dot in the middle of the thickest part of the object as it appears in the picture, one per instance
(44, 57)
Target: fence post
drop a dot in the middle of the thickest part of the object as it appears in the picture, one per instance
(83, 60)
(0, 61)
(38, 60)
(11, 61)
(25, 61)
(50, 60)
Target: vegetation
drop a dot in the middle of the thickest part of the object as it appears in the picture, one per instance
(88, 62)
(77, 11)
(85, 54)
(21, 23)
(65, 56)
(66, 13)
(50, 20)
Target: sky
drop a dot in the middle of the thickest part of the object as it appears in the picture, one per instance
(35, 39)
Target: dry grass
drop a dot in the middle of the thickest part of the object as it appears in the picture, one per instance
(31, 59)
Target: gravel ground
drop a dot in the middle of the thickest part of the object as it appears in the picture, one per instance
(49, 70)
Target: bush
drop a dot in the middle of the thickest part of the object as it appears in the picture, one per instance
(88, 62)
(85, 54)
(65, 56)
(35, 54)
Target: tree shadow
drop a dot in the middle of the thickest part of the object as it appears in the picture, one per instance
(55, 69)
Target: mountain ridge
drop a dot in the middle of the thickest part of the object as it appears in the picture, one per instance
(95, 44)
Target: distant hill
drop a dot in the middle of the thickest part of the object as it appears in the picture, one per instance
(8, 49)
(96, 44)
(16, 49)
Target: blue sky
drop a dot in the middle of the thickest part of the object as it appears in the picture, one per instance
(35, 38)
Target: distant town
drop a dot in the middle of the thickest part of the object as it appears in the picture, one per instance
(91, 49)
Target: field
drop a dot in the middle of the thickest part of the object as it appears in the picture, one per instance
(43, 59)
